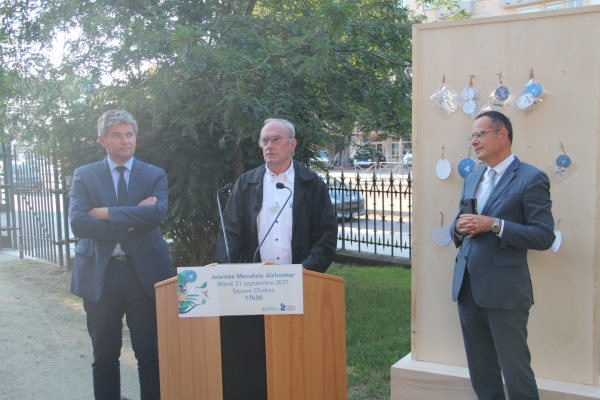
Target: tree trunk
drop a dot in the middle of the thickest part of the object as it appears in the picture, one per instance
(237, 167)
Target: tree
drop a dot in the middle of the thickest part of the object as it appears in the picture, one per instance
(452, 10)
(202, 76)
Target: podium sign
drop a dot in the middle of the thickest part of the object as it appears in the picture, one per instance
(254, 289)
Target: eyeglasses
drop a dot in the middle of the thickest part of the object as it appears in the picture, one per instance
(264, 142)
(479, 134)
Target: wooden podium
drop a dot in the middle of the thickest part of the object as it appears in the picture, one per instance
(255, 357)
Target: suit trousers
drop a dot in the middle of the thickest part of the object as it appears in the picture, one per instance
(123, 294)
(496, 344)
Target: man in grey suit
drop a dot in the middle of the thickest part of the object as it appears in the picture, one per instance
(116, 207)
(491, 277)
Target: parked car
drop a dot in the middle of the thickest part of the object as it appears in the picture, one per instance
(324, 158)
(346, 202)
(408, 158)
(365, 158)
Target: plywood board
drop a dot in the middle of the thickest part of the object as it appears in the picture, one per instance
(562, 48)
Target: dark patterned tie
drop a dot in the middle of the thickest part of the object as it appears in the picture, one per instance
(122, 187)
(122, 198)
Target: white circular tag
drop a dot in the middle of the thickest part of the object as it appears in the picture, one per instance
(443, 168)
(441, 235)
(560, 173)
(468, 93)
(525, 101)
(469, 107)
(557, 240)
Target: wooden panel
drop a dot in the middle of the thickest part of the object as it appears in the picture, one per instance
(428, 381)
(189, 350)
(306, 354)
(561, 47)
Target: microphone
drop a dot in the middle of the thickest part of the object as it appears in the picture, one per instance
(278, 185)
(229, 186)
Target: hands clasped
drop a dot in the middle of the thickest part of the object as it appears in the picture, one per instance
(470, 225)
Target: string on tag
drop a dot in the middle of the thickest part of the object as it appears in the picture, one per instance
(471, 80)
(563, 148)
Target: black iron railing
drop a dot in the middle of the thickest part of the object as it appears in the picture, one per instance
(41, 213)
(374, 214)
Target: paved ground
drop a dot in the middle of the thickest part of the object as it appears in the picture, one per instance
(45, 350)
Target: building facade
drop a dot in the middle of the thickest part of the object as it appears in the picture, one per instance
(493, 8)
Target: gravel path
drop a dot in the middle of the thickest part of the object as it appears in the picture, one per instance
(45, 350)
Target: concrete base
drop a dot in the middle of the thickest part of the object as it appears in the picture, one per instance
(429, 381)
(364, 258)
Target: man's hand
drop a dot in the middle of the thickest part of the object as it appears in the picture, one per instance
(470, 225)
(150, 201)
(99, 213)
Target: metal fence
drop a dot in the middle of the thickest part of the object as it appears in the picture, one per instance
(374, 213)
(34, 202)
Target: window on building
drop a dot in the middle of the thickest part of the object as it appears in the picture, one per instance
(594, 2)
(527, 9)
(554, 6)
(488, 15)
(574, 3)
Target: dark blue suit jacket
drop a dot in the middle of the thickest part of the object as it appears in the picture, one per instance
(498, 266)
(93, 187)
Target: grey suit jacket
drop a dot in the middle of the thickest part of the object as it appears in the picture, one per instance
(498, 266)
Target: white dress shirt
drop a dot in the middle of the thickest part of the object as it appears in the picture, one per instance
(277, 247)
(115, 177)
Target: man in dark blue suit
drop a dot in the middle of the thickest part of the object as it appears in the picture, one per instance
(116, 207)
(491, 276)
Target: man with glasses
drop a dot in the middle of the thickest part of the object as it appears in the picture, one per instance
(491, 277)
(303, 231)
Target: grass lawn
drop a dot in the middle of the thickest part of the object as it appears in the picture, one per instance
(377, 326)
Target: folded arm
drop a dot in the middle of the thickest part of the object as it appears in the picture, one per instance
(103, 223)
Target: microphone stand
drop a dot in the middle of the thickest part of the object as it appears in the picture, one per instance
(229, 186)
(279, 185)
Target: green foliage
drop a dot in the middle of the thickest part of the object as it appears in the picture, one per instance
(378, 307)
(201, 77)
(451, 8)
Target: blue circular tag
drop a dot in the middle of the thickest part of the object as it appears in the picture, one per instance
(501, 93)
(465, 167)
(535, 89)
(563, 161)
